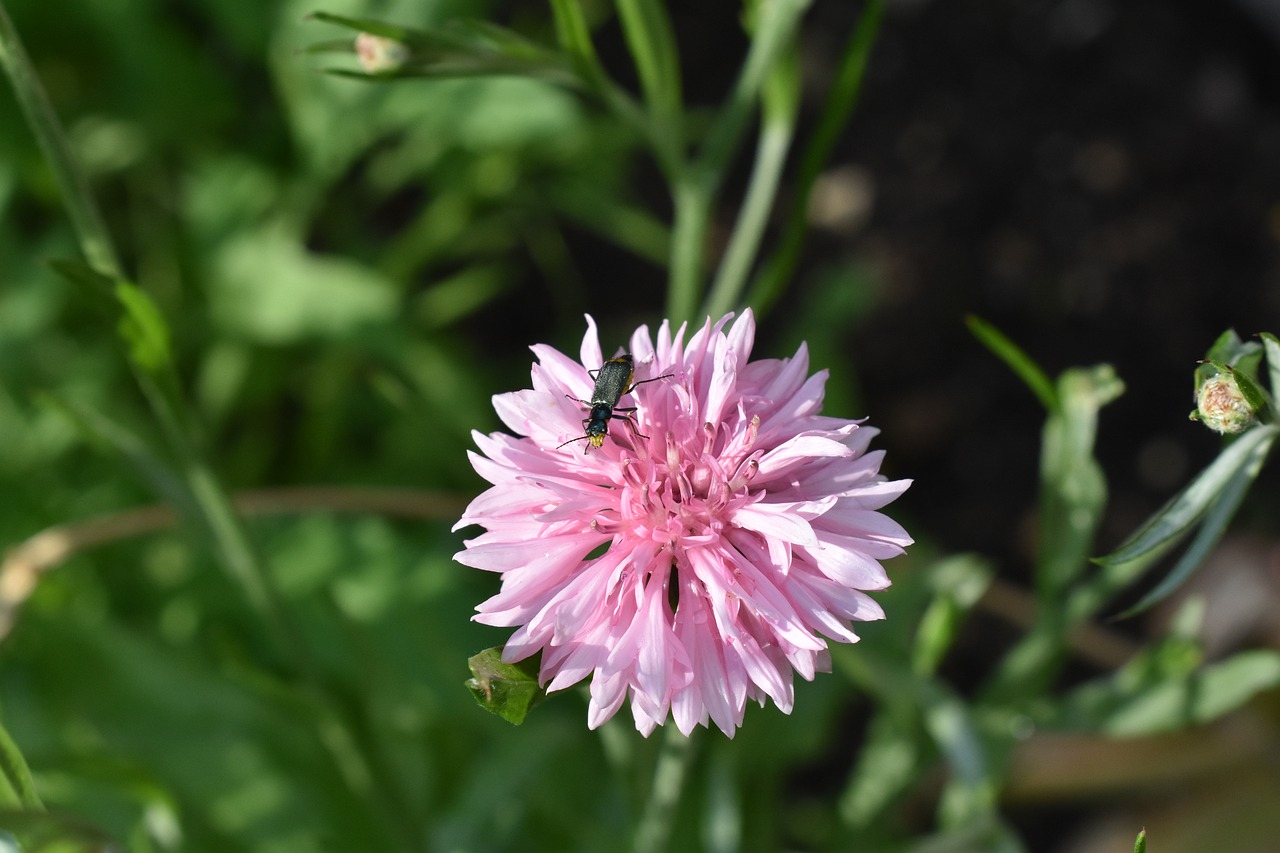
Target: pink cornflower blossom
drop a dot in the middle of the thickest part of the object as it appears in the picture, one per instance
(695, 561)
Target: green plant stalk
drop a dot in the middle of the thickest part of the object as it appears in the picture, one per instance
(575, 39)
(772, 280)
(90, 229)
(654, 829)
(653, 47)
(695, 188)
(692, 212)
(777, 128)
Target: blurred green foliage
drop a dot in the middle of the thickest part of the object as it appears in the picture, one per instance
(326, 266)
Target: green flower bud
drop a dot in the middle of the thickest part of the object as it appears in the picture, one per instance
(1221, 406)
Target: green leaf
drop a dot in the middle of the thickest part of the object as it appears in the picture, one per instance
(1189, 506)
(508, 690)
(1272, 347)
(1017, 360)
(140, 324)
(17, 791)
(143, 329)
(1140, 843)
(1202, 698)
(1219, 515)
(959, 582)
(454, 49)
(1230, 349)
(1073, 489)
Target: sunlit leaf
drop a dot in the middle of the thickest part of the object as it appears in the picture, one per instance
(143, 329)
(1210, 693)
(1219, 515)
(140, 324)
(506, 689)
(1189, 506)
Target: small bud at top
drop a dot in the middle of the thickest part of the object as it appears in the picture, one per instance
(378, 54)
(1221, 406)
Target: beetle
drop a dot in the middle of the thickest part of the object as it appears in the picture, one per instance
(614, 379)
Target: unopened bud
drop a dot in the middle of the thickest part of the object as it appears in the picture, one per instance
(378, 55)
(1221, 406)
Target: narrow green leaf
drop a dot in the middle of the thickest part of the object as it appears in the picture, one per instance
(1188, 506)
(1219, 515)
(958, 583)
(373, 27)
(140, 324)
(1073, 489)
(1017, 360)
(143, 329)
(889, 760)
(651, 40)
(1272, 347)
(17, 791)
(1230, 348)
(508, 690)
(458, 48)
(1202, 698)
(1140, 843)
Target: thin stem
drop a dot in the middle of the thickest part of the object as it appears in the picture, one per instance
(771, 281)
(697, 185)
(654, 829)
(86, 220)
(692, 213)
(777, 127)
(575, 38)
(653, 47)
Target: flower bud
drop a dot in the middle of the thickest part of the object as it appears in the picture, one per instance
(1221, 406)
(378, 55)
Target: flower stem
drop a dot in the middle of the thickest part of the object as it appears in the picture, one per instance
(654, 829)
(696, 187)
(90, 229)
(772, 280)
(777, 127)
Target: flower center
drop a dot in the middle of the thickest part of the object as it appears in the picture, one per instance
(685, 496)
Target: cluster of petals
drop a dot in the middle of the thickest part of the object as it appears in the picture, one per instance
(705, 553)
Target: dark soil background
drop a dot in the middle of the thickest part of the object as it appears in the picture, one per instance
(1101, 180)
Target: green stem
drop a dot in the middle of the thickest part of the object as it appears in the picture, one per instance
(772, 280)
(654, 829)
(692, 213)
(653, 47)
(697, 185)
(777, 127)
(574, 37)
(95, 240)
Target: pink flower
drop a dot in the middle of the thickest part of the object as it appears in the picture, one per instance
(692, 563)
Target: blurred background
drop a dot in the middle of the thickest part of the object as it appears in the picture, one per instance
(351, 270)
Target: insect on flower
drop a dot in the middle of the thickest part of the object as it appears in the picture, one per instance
(720, 559)
(613, 379)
